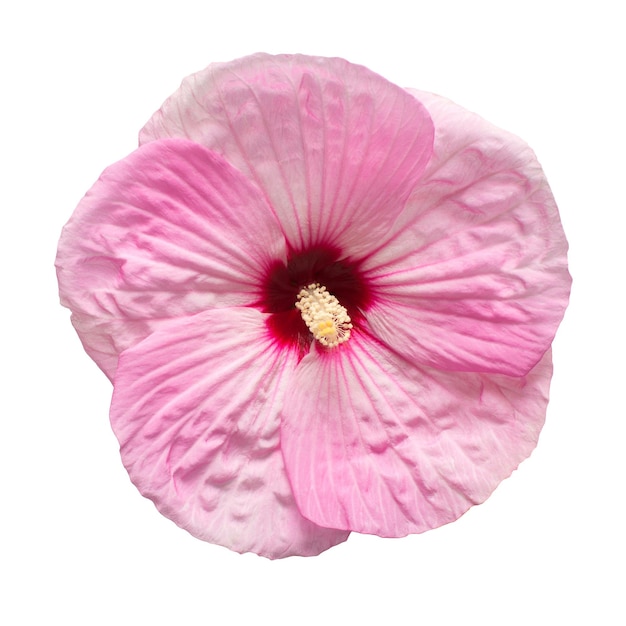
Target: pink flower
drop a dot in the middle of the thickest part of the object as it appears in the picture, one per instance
(326, 304)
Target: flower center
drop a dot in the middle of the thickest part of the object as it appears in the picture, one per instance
(327, 320)
(317, 265)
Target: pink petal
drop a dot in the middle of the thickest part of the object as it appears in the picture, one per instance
(474, 275)
(376, 445)
(168, 231)
(195, 409)
(335, 148)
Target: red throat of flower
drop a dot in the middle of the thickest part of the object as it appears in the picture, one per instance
(319, 268)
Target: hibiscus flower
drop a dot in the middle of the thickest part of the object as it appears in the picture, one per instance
(326, 304)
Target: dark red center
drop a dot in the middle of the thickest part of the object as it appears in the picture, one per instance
(341, 277)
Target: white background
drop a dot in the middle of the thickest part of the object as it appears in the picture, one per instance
(79, 545)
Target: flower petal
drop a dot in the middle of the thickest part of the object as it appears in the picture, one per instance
(474, 275)
(168, 231)
(336, 148)
(195, 409)
(376, 445)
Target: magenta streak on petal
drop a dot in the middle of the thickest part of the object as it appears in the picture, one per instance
(399, 449)
(335, 148)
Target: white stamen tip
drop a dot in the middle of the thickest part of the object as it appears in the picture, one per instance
(327, 320)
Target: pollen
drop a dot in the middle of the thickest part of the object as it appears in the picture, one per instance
(327, 320)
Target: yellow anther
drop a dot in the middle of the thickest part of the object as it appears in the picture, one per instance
(324, 330)
(327, 320)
